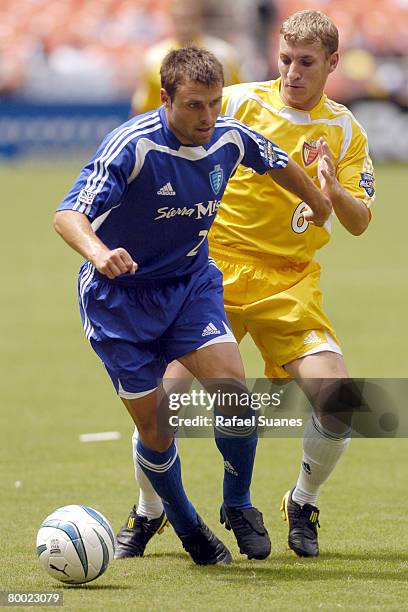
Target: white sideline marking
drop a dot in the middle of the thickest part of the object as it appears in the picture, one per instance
(101, 436)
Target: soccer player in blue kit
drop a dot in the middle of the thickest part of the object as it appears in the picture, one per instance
(139, 213)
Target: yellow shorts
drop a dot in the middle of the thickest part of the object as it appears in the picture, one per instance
(280, 307)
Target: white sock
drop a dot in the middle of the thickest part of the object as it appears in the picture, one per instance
(150, 504)
(321, 453)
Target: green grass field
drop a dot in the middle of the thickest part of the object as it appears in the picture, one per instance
(53, 389)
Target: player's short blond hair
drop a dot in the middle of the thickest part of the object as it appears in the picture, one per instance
(311, 26)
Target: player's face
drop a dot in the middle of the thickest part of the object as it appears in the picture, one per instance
(304, 68)
(192, 113)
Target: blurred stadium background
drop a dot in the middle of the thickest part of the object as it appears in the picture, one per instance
(69, 67)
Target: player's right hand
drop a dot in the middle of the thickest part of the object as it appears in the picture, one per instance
(318, 215)
(114, 263)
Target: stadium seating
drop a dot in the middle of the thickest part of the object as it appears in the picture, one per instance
(46, 46)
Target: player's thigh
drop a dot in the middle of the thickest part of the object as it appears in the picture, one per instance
(291, 323)
(216, 361)
(325, 364)
(135, 369)
(272, 304)
(235, 270)
(124, 336)
(220, 370)
(201, 321)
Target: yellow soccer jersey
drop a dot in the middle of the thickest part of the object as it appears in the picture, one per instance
(256, 214)
(147, 94)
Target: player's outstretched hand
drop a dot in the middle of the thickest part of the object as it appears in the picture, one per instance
(326, 170)
(114, 263)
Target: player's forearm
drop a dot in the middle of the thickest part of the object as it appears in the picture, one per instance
(76, 230)
(294, 179)
(352, 213)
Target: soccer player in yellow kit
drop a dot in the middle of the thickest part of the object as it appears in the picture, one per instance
(266, 249)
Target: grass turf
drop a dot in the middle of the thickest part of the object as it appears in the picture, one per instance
(53, 388)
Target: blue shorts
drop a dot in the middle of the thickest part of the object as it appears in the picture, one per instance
(138, 330)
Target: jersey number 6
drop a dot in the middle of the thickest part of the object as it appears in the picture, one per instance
(299, 224)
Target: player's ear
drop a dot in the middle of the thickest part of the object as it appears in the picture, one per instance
(333, 61)
(165, 98)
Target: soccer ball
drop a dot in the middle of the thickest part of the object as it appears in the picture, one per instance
(75, 544)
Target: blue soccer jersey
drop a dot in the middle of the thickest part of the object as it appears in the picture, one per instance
(157, 198)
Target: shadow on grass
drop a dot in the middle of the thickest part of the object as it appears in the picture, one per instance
(155, 556)
(389, 556)
(284, 568)
(291, 568)
(94, 586)
(278, 569)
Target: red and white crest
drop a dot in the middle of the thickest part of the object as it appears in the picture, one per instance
(309, 152)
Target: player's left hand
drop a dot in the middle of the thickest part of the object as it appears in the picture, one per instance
(311, 217)
(326, 170)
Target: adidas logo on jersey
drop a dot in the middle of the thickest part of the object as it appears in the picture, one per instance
(210, 330)
(311, 338)
(166, 190)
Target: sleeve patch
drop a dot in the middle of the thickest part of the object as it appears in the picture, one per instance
(271, 154)
(367, 181)
(86, 197)
(275, 157)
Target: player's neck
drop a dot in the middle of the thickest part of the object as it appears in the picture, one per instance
(308, 105)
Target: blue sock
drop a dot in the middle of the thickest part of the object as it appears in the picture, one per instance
(164, 472)
(238, 451)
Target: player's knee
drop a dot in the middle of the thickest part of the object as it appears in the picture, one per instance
(337, 403)
(154, 428)
(230, 397)
(177, 379)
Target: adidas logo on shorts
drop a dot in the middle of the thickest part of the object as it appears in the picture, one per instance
(166, 190)
(210, 330)
(311, 338)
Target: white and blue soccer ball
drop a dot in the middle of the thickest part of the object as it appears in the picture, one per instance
(75, 544)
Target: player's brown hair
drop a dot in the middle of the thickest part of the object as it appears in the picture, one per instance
(190, 64)
(311, 26)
